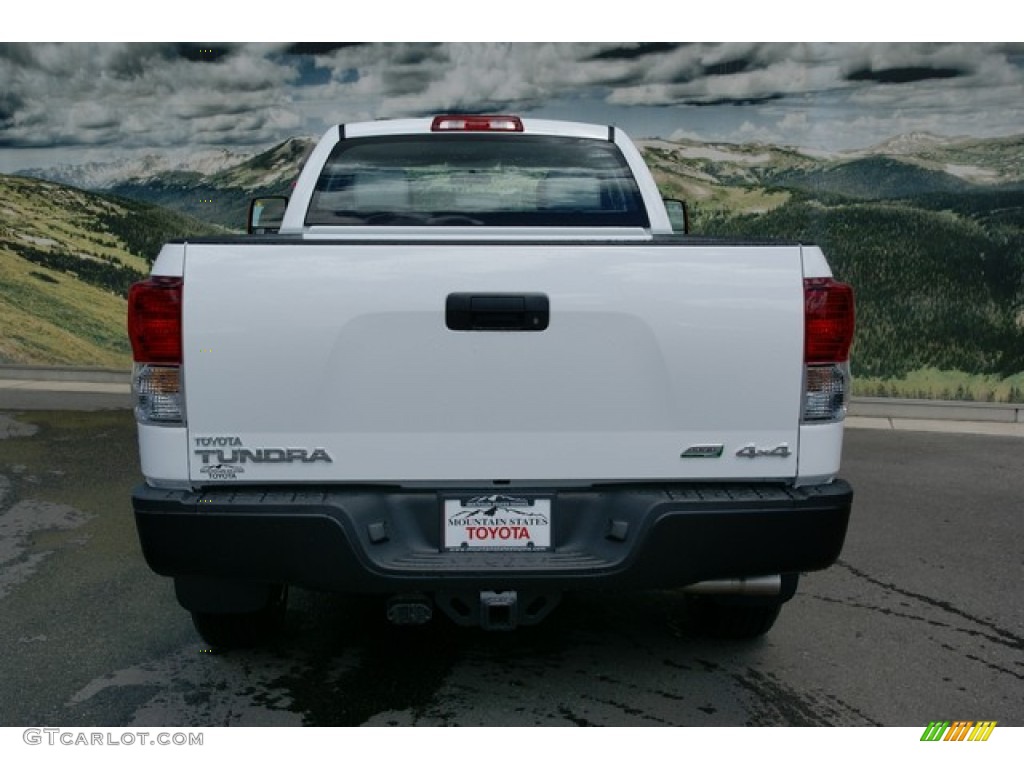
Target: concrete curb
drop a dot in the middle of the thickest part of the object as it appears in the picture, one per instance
(63, 388)
(24, 388)
(64, 373)
(943, 410)
(947, 426)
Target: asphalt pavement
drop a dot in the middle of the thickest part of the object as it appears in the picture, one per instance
(921, 618)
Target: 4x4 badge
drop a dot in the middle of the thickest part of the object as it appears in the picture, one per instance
(753, 452)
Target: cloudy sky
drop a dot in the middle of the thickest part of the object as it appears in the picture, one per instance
(80, 102)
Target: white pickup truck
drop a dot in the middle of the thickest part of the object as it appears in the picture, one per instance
(470, 368)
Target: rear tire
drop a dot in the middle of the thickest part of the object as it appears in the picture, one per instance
(224, 631)
(731, 619)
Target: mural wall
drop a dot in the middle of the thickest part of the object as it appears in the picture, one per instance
(904, 161)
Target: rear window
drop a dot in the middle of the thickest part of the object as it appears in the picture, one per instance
(476, 180)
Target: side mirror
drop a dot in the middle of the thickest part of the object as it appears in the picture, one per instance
(266, 215)
(678, 215)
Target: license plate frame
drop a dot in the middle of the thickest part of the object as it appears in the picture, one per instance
(497, 523)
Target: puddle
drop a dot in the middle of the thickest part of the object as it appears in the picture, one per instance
(20, 556)
(10, 427)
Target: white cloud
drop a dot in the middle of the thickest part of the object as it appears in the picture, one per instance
(139, 96)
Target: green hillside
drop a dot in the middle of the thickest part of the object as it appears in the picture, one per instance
(67, 258)
(934, 289)
(930, 232)
(192, 195)
(870, 178)
(223, 198)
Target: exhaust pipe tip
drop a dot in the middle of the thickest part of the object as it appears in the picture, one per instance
(761, 586)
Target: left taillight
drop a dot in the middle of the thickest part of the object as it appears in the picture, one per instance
(154, 329)
(154, 320)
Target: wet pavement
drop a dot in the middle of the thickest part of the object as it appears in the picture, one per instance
(922, 618)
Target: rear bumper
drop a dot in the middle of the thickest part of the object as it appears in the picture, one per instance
(388, 540)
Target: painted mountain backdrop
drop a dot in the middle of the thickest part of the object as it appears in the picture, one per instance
(67, 258)
(929, 230)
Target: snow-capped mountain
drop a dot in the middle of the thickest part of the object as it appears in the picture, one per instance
(217, 185)
(916, 143)
(140, 169)
(211, 185)
(265, 170)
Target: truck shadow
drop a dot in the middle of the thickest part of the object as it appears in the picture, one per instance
(348, 666)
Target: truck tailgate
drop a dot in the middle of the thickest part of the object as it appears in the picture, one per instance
(334, 361)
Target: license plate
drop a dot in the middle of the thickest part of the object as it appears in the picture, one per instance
(496, 522)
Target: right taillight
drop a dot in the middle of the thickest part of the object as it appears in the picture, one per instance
(828, 333)
(154, 329)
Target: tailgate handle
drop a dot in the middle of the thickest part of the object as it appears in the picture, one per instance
(497, 312)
